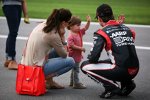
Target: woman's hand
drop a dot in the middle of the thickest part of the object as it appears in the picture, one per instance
(26, 20)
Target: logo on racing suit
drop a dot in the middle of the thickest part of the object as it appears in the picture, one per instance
(120, 38)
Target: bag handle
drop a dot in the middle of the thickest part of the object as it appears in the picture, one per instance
(29, 78)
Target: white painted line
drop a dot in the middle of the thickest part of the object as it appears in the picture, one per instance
(137, 47)
(19, 37)
(129, 25)
(92, 23)
(85, 43)
(142, 48)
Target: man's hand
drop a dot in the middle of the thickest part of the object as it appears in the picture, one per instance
(121, 19)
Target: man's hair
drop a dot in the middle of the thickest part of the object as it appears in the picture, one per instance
(105, 12)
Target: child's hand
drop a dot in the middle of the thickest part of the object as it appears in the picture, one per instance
(66, 47)
(83, 49)
(88, 18)
(26, 20)
(121, 19)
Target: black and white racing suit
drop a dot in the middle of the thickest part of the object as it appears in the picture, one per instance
(123, 63)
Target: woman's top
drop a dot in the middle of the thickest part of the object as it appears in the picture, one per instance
(12, 2)
(39, 46)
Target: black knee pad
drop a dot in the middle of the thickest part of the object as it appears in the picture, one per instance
(83, 64)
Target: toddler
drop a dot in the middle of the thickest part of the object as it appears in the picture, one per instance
(75, 47)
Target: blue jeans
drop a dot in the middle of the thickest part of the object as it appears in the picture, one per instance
(58, 65)
(13, 17)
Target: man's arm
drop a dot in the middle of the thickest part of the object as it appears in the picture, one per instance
(97, 48)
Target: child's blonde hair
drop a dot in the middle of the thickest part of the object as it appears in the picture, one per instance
(75, 20)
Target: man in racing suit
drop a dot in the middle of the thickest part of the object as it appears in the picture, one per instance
(122, 65)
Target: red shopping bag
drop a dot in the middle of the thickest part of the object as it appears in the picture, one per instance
(30, 80)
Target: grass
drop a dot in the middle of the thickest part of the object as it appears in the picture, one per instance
(135, 11)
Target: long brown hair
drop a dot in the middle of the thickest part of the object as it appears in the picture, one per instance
(55, 19)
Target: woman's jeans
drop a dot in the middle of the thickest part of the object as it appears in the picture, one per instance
(13, 17)
(58, 65)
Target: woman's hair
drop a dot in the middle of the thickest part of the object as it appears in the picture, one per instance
(55, 19)
(75, 20)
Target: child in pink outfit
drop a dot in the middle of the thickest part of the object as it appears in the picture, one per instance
(75, 48)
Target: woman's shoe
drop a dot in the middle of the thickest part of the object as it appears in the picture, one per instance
(13, 65)
(51, 84)
(6, 63)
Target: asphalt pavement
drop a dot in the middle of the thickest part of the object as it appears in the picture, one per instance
(8, 77)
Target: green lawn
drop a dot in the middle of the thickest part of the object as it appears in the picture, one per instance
(135, 11)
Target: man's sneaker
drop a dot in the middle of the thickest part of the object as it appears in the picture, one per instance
(107, 94)
(111, 93)
(79, 86)
(126, 90)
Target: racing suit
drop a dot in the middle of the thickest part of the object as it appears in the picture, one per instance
(123, 63)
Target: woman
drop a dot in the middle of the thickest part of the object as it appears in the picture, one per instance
(12, 10)
(45, 37)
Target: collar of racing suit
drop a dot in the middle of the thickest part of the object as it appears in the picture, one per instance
(112, 22)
